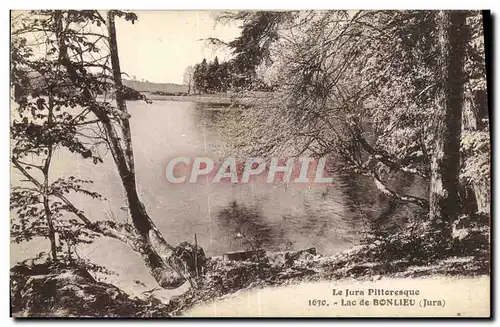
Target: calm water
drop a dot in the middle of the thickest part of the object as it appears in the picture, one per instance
(282, 218)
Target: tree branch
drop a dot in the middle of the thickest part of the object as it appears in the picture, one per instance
(400, 197)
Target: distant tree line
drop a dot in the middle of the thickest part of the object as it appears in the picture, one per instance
(215, 77)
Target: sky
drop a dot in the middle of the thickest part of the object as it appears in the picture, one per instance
(161, 44)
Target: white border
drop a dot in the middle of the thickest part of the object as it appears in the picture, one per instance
(256, 4)
(190, 5)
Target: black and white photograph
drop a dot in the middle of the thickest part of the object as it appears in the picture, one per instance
(250, 163)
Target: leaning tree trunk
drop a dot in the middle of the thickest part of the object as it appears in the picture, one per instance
(159, 257)
(165, 267)
(445, 165)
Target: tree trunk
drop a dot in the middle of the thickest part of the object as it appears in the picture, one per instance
(50, 225)
(445, 164)
(126, 164)
(157, 253)
(471, 120)
(45, 171)
(159, 256)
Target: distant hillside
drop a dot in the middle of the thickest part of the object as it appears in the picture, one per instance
(37, 81)
(156, 87)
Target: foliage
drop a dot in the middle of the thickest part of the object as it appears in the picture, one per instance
(49, 115)
(249, 50)
(360, 87)
(31, 220)
(258, 32)
(476, 149)
(70, 47)
(131, 94)
(212, 77)
(61, 77)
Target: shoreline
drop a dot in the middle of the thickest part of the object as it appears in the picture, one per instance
(214, 99)
(193, 98)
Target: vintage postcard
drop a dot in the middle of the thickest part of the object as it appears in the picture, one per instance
(312, 163)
